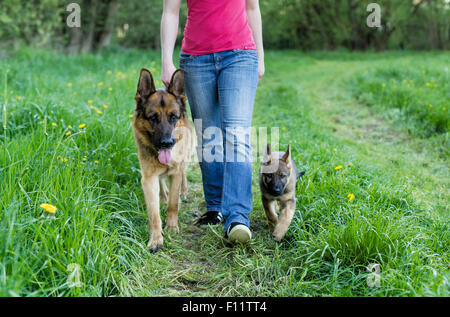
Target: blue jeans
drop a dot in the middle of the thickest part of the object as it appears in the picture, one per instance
(221, 88)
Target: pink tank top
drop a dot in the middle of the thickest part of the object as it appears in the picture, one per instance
(215, 26)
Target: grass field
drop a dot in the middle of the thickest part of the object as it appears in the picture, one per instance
(358, 123)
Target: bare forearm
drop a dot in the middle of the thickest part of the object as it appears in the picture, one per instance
(255, 23)
(169, 30)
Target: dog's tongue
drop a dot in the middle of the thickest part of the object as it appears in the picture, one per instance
(165, 156)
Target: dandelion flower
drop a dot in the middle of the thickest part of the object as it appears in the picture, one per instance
(96, 162)
(68, 133)
(81, 126)
(334, 150)
(92, 107)
(69, 127)
(337, 168)
(131, 116)
(69, 84)
(90, 101)
(283, 129)
(350, 164)
(110, 89)
(105, 106)
(49, 208)
(351, 197)
(53, 124)
(428, 84)
(99, 112)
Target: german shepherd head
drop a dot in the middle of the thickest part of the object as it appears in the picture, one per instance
(158, 112)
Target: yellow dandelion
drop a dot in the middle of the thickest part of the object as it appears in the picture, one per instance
(428, 84)
(49, 208)
(90, 101)
(350, 164)
(81, 126)
(92, 107)
(334, 150)
(131, 116)
(105, 106)
(100, 84)
(53, 124)
(69, 84)
(99, 112)
(69, 127)
(96, 162)
(68, 133)
(351, 197)
(337, 168)
(283, 129)
(110, 89)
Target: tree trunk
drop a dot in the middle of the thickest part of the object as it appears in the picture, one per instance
(88, 41)
(105, 37)
(75, 41)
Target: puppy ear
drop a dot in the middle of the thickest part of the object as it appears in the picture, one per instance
(267, 155)
(287, 155)
(176, 85)
(146, 85)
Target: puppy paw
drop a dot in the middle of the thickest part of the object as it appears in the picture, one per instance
(278, 234)
(155, 244)
(172, 228)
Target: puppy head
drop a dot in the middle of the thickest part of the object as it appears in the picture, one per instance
(276, 171)
(158, 112)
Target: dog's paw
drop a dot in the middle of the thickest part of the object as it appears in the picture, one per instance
(278, 234)
(172, 228)
(155, 244)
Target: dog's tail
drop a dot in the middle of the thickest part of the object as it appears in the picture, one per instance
(300, 174)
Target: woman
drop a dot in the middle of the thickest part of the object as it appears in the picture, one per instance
(223, 59)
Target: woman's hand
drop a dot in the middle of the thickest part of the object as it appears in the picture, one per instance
(167, 72)
(261, 68)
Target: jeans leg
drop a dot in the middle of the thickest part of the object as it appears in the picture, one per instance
(237, 83)
(201, 90)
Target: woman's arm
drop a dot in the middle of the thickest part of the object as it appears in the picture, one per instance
(255, 23)
(169, 30)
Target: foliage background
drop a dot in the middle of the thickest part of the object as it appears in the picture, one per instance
(299, 24)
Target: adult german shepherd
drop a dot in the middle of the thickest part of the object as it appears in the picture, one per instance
(164, 140)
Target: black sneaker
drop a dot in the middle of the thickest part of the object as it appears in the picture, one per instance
(237, 232)
(209, 218)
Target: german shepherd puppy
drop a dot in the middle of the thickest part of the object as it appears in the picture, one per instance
(164, 140)
(277, 181)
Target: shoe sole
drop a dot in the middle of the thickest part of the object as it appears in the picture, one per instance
(240, 233)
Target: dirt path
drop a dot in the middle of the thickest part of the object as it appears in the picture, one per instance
(409, 160)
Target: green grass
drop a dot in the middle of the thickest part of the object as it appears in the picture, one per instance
(398, 174)
(418, 98)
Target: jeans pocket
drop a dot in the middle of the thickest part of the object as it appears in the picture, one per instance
(186, 57)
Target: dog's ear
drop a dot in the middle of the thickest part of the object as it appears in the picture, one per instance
(176, 86)
(146, 85)
(287, 155)
(267, 155)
